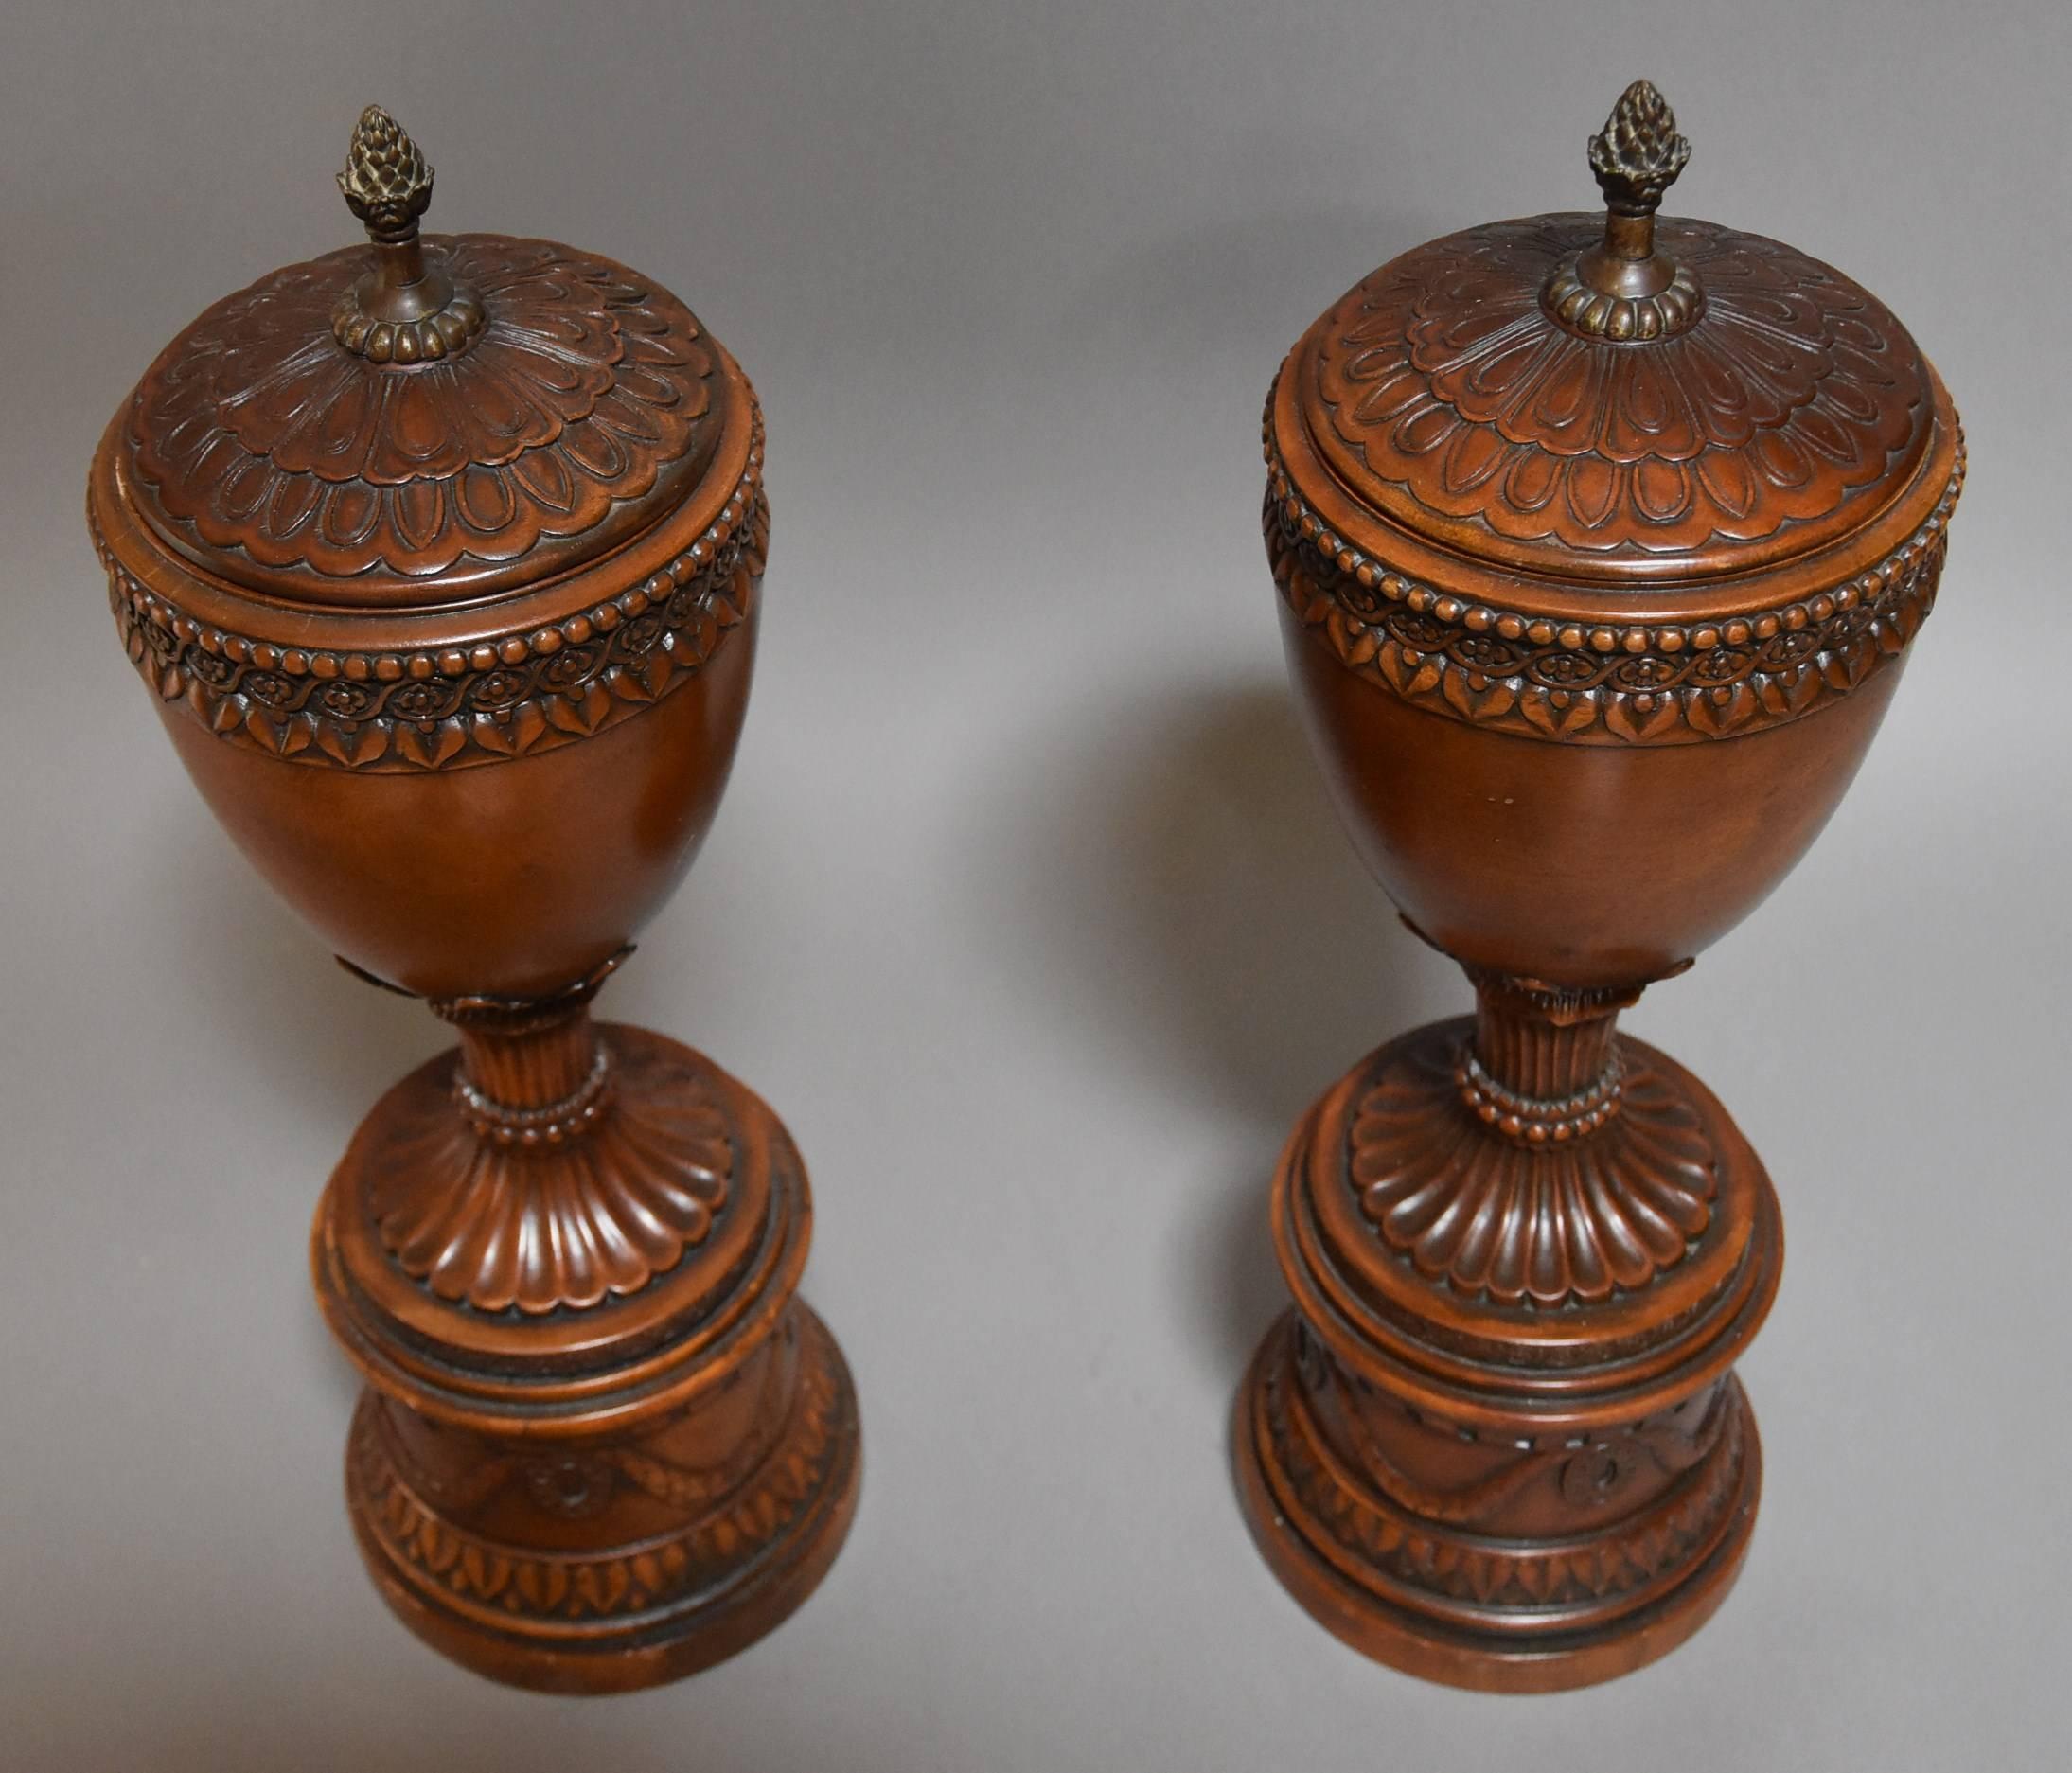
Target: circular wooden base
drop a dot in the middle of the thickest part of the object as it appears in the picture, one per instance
(1499, 1442)
(1530, 1658)
(612, 1619)
(603, 1443)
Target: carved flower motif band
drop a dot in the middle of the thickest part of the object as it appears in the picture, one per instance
(506, 697)
(1659, 683)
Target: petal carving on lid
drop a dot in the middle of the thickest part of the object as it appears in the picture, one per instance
(1662, 490)
(417, 512)
(1444, 377)
(257, 435)
(1648, 410)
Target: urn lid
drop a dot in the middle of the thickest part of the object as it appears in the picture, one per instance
(1612, 412)
(427, 420)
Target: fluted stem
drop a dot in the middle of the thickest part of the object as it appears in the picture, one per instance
(1542, 1044)
(531, 1067)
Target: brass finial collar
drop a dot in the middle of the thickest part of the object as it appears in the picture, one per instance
(1623, 289)
(406, 309)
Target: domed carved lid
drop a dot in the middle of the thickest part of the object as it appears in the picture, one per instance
(422, 421)
(1609, 398)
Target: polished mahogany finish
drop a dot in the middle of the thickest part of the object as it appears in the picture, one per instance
(1600, 540)
(443, 557)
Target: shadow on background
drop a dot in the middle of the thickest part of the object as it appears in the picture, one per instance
(247, 1722)
(1219, 941)
(1249, 282)
(305, 1035)
(306, 1031)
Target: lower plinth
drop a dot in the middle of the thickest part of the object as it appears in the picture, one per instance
(1366, 1567)
(1498, 1443)
(603, 1443)
(523, 1599)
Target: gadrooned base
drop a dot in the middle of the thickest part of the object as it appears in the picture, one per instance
(604, 1445)
(618, 1618)
(1307, 1551)
(1499, 1442)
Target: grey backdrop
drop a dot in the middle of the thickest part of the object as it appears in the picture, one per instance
(1025, 907)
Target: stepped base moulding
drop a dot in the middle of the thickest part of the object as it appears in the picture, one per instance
(562, 1500)
(1445, 1473)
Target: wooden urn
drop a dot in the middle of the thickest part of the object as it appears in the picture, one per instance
(1600, 542)
(442, 557)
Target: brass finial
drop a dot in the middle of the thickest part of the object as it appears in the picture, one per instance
(1637, 154)
(1623, 289)
(405, 308)
(386, 183)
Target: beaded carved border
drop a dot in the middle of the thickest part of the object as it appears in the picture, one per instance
(1657, 684)
(508, 696)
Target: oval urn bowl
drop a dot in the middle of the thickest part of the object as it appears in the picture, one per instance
(441, 557)
(1600, 541)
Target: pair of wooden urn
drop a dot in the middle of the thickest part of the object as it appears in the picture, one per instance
(1599, 542)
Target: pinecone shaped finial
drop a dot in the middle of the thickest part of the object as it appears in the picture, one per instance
(386, 183)
(1637, 154)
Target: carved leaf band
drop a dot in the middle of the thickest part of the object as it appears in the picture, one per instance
(1593, 684)
(508, 696)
